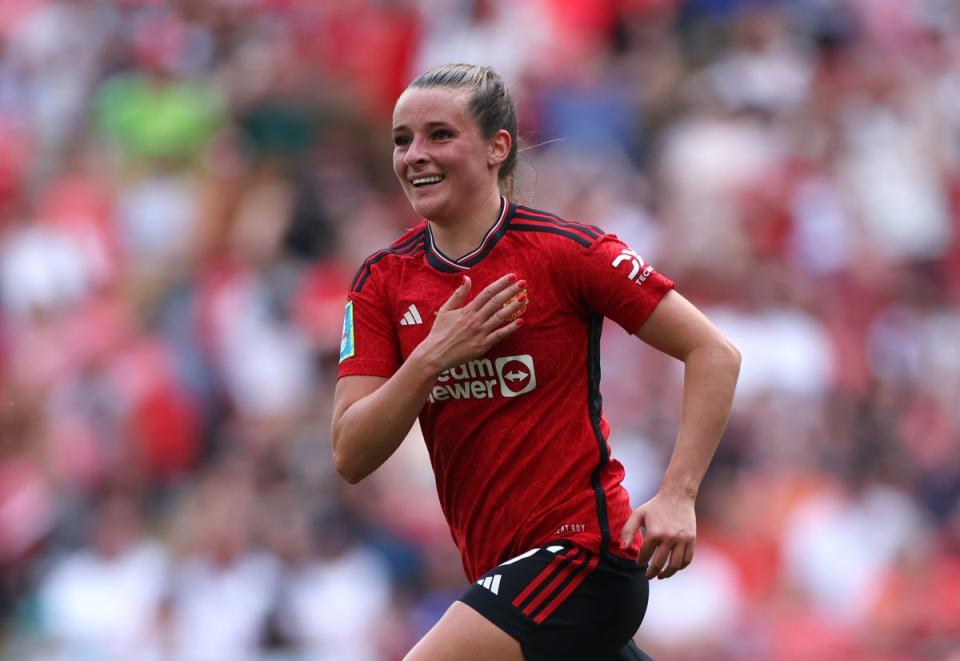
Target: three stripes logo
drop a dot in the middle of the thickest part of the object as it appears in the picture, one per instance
(411, 317)
(491, 583)
(552, 586)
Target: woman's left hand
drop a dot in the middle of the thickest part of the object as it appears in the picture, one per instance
(670, 531)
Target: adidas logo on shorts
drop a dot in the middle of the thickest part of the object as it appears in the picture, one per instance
(491, 583)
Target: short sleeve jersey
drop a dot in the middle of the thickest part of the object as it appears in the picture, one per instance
(517, 437)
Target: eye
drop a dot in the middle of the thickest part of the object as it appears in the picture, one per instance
(401, 140)
(442, 134)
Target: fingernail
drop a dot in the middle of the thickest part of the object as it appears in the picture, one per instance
(522, 296)
(519, 322)
(512, 277)
(522, 284)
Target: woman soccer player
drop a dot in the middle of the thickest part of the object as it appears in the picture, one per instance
(484, 321)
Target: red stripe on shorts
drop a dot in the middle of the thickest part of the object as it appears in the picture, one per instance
(554, 604)
(560, 559)
(572, 568)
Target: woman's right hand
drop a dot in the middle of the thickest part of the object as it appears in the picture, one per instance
(463, 331)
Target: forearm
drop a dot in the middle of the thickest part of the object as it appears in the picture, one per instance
(710, 377)
(371, 429)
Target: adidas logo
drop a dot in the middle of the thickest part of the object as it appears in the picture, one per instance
(491, 583)
(411, 317)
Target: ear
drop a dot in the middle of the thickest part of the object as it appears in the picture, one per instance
(500, 145)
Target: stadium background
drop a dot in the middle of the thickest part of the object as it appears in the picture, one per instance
(186, 188)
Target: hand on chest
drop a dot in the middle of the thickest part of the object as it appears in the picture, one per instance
(419, 301)
(551, 342)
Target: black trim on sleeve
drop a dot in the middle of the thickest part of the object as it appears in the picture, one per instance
(407, 246)
(527, 213)
(525, 227)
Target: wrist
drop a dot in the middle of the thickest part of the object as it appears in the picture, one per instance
(428, 368)
(679, 487)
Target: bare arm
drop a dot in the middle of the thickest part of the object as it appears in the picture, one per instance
(711, 367)
(372, 415)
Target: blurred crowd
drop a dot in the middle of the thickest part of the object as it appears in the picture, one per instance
(187, 186)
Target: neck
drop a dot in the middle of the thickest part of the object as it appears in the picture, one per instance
(464, 235)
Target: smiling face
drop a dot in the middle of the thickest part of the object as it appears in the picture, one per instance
(445, 166)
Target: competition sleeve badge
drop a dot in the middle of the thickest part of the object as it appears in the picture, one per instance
(347, 346)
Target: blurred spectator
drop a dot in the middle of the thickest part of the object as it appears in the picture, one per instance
(839, 545)
(336, 596)
(697, 614)
(105, 601)
(221, 566)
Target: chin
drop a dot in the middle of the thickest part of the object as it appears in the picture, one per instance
(427, 208)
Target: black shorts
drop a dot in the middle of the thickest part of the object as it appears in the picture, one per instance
(564, 602)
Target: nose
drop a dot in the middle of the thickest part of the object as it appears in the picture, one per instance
(415, 153)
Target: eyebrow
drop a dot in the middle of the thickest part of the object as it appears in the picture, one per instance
(428, 125)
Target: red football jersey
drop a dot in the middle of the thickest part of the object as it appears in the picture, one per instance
(517, 437)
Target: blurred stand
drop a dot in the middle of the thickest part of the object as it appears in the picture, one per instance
(186, 188)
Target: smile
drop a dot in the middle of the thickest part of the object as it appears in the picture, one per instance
(426, 181)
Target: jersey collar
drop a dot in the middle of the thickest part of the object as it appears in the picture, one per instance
(446, 264)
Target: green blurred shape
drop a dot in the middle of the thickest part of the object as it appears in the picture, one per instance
(154, 118)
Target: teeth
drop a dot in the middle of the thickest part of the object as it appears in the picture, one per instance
(427, 180)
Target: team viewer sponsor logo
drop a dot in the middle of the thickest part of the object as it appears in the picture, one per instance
(347, 347)
(639, 270)
(509, 376)
(516, 375)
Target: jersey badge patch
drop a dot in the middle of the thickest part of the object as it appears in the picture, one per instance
(519, 313)
(347, 346)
